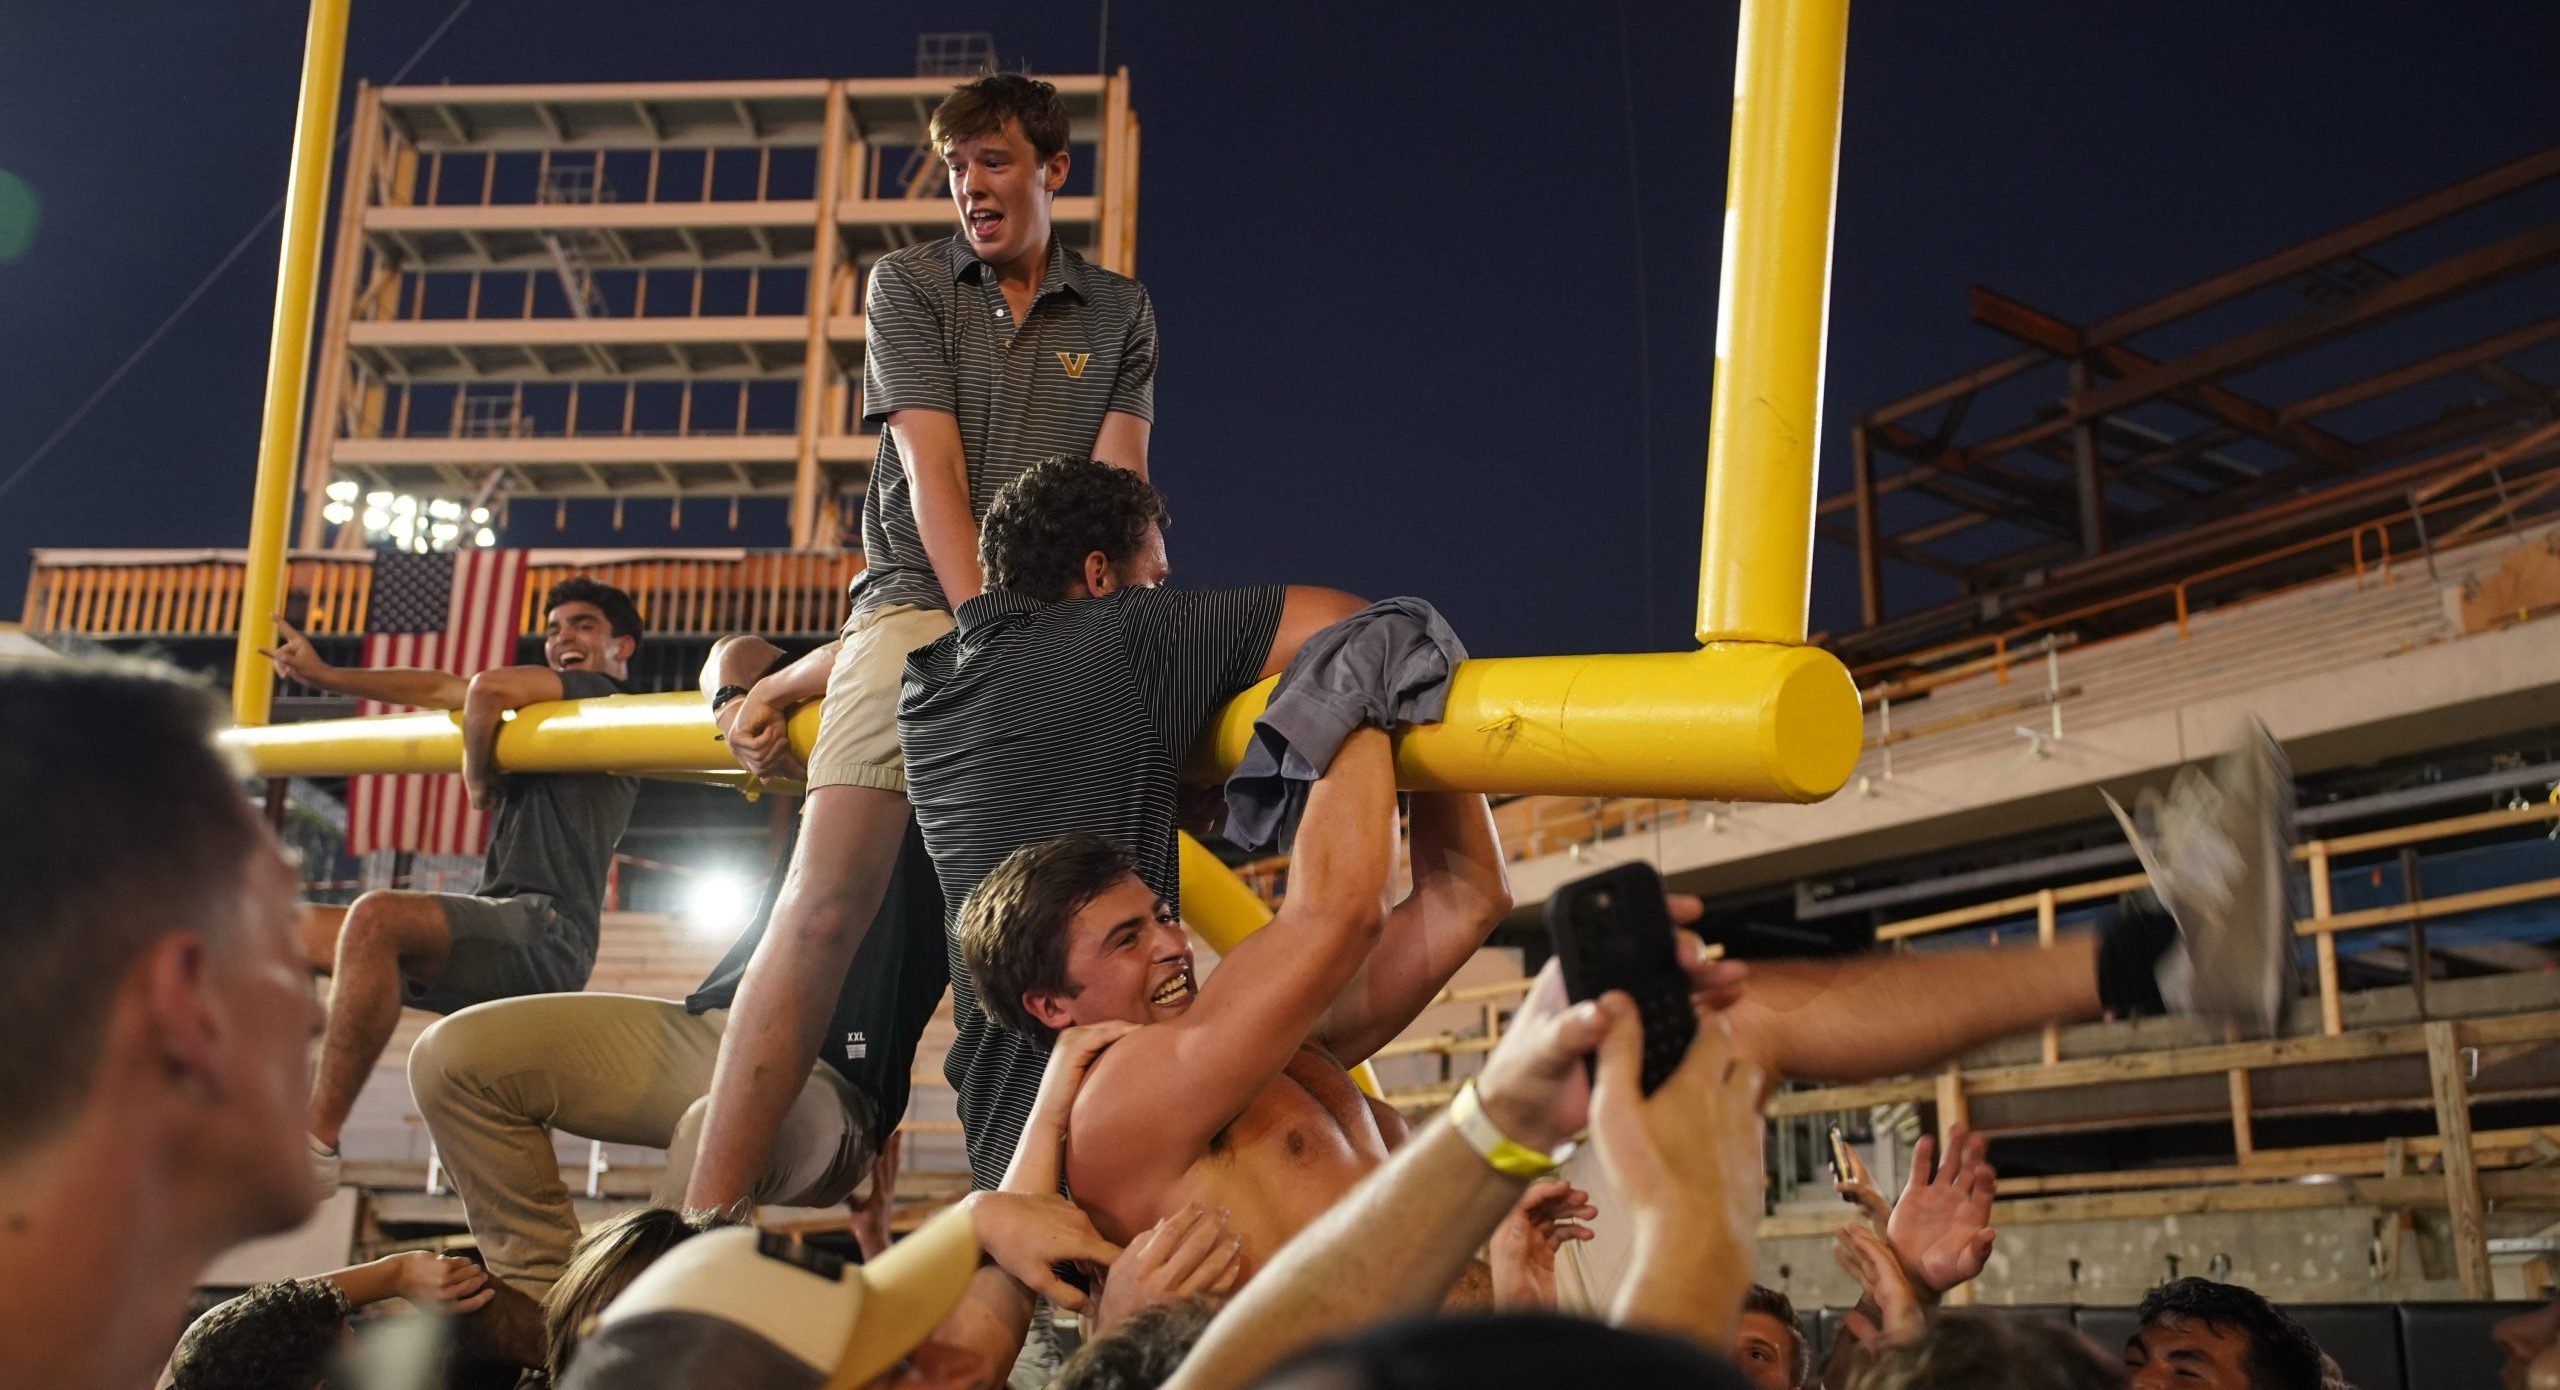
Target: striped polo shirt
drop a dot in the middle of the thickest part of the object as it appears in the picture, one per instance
(1033, 720)
(942, 338)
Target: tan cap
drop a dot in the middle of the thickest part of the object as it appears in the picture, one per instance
(738, 1298)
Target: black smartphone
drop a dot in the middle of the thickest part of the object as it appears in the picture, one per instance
(1612, 930)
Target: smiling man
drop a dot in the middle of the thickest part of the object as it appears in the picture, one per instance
(985, 353)
(530, 925)
(1234, 1092)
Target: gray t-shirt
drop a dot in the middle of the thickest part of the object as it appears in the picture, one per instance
(555, 831)
(941, 337)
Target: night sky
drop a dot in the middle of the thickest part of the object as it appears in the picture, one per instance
(1430, 324)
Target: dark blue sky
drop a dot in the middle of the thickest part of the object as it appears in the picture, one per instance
(1394, 249)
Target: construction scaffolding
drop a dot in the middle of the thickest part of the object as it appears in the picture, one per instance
(2084, 468)
(644, 290)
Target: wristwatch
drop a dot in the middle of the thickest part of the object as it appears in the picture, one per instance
(1503, 1153)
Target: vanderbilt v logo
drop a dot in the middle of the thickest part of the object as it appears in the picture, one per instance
(1074, 362)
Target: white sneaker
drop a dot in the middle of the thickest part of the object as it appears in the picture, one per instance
(327, 1167)
(2219, 852)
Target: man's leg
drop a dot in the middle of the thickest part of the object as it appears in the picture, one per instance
(1895, 1013)
(2218, 850)
(387, 935)
(494, 1080)
(826, 1143)
(851, 826)
(849, 841)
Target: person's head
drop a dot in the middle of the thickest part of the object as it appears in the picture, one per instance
(1467, 1353)
(1141, 1353)
(1065, 932)
(1973, 1349)
(1770, 1346)
(2196, 1332)
(278, 1336)
(155, 1000)
(2532, 1344)
(603, 1264)
(1074, 528)
(1003, 138)
(589, 625)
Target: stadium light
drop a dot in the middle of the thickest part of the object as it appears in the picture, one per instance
(399, 521)
(717, 904)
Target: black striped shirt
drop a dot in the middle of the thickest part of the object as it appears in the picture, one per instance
(941, 338)
(1030, 721)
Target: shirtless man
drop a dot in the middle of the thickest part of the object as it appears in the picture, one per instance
(1235, 1093)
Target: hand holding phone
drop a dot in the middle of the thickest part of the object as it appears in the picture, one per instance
(1612, 931)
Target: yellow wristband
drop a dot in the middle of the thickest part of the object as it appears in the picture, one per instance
(1503, 1153)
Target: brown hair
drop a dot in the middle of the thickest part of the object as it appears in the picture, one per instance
(1760, 1298)
(1013, 928)
(1974, 1349)
(983, 106)
(120, 823)
(604, 1263)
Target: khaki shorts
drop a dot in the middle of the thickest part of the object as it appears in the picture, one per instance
(858, 721)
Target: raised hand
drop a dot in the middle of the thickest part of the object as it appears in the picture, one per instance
(1534, 1087)
(1524, 1246)
(1190, 1254)
(1687, 1156)
(1941, 1229)
(293, 654)
(1871, 1262)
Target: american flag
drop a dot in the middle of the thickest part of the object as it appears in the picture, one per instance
(453, 611)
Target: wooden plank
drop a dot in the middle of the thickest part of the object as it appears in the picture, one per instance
(1829, 1098)
(2198, 1061)
(2242, 1141)
(2461, 1172)
(2332, 1008)
(2395, 913)
(2052, 1042)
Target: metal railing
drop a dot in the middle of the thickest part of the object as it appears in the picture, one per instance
(775, 593)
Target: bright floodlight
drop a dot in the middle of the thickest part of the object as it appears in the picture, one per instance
(337, 513)
(718, 904)
(343, 490)
(484, 538)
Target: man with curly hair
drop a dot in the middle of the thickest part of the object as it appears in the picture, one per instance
(986, 352)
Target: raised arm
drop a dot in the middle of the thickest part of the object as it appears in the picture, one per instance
(1460, 894)
(1264, 998)
(1306, 610)
(484, 709)
(392, 685)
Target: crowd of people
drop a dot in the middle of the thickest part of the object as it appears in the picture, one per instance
(1179, 1159)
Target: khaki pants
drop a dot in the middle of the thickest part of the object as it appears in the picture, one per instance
(493, 1080)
